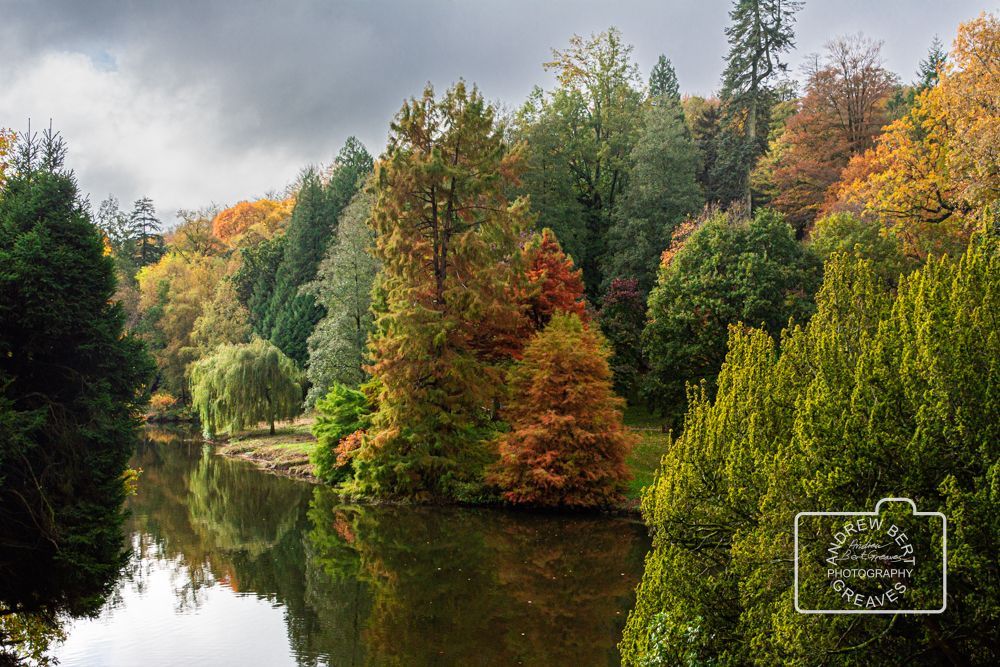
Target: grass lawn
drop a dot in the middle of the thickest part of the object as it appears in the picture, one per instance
(646, 455)
(286, 452)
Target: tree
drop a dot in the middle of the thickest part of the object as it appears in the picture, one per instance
(239, 386)
(729, 270)
(145, 230)
(73, 385)
(662, 190)
(7, 139)
(932, 176)
(622, 318)
(663, 82)
(846, 233)
(254, 279)
(567, 444)
(928, 74)
(291, 315)
(223, 320)
(343, 287)
(878, 396)
(843, 110)
(173, 294)
(585, 130)
(553, 283)
(341, 412)
(250, 222)
(446, 237)
(759, 33)
(704, 118)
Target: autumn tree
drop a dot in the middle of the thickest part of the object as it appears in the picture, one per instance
(932, 176)
(446, 237)
(760, 31)
(661, 190)
(729, 270)
(250, 222)
(343, 287)
(553, 283)
(73, 385)
(567, 444)
(585, 130)
(292, 315)
(842, 112)
(224, 320)
(7, 138)
(239, 386)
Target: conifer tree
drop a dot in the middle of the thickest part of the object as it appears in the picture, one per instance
(567, 444)
(73, 385)
(447, 242)
(291, 315)
(145, 230)
(760, 31)
(663, 81)
(553, 281)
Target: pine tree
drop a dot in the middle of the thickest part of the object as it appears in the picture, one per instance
(663, 81)
(760, 31)
(145, 228)
(567, 444)
(343, 288)
(446, 237)
(291, 315)
(73, 385)
(930, 67)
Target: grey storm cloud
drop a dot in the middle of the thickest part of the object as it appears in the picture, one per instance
(212, 102)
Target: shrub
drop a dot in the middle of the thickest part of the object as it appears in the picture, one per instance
(343, 415)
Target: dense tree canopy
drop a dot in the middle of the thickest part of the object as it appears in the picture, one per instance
(72, 387)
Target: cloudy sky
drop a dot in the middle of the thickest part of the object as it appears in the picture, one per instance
(194, 103)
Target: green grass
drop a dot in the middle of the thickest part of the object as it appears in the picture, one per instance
(644, 461)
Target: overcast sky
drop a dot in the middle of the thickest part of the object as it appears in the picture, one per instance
(194, 103)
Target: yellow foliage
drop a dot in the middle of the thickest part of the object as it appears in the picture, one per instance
(249, 221)
(934, 174)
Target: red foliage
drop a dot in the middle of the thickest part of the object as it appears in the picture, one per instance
(554, 283)
(567, 446)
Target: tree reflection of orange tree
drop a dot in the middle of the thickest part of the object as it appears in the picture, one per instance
(460, 586)
(567, 577)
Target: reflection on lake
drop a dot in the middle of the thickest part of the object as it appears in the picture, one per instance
(235, 566)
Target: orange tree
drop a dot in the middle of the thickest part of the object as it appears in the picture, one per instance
(567, 444)
(447, 239)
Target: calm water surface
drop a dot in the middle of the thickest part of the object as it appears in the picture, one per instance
(233, 566)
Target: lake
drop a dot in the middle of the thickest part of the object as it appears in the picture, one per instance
(234, 566)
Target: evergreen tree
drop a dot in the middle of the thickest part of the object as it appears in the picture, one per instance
(255, 277)
(446, 237)
(878, 396)
(567, 444)
(729, 271)
(930, 67)
(662, 190)
(72, 388)
(144, 230)
(663, 81)
(622, 318)
(291, 315)
(343, 289)
(239, 386)
(760, 31)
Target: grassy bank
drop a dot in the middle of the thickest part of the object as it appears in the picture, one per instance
(287, 451)
(284, 453)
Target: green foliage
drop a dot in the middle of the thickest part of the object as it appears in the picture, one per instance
(338, 414)
(662, 190)
(72, 388)
(224, 320)
(878, 396)
(343, 289)
(663, 82)
(730, 270)
(447, 239)
(239, 386)
(846, 233)
(291, 315)
(622, 318)
(144, 232)
(254, 279)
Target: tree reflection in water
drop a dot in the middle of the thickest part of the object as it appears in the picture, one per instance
(380, 584)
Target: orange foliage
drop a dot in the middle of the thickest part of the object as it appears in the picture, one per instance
(554, 283)
(259, 219)
(567, 444)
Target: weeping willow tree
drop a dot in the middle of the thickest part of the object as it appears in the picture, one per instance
(239, 386)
